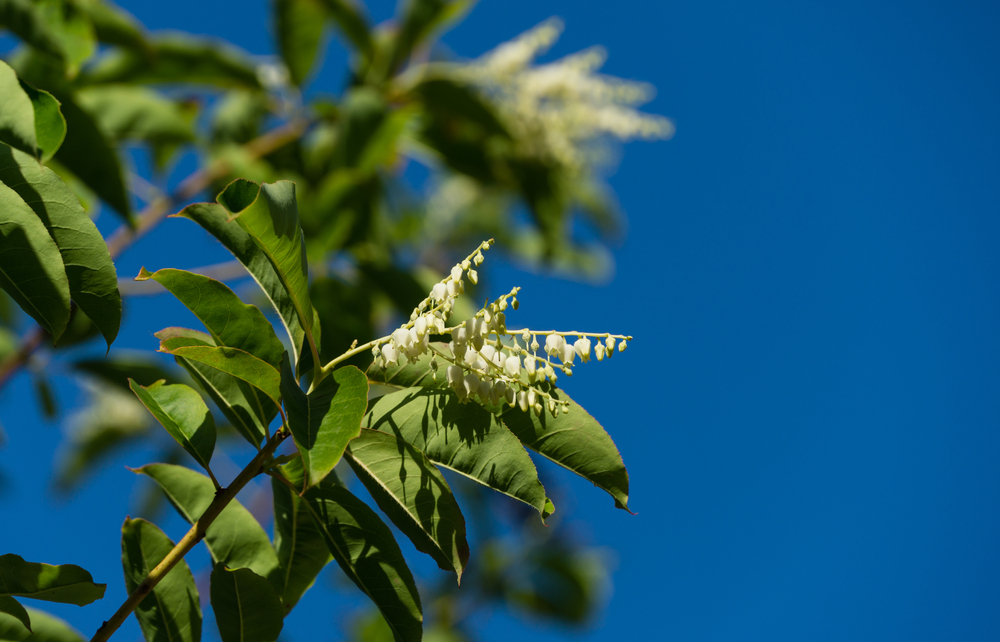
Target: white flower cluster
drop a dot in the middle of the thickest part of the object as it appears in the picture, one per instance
(486, 360)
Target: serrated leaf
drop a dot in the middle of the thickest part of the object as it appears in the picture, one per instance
(50, 126)
(465, 438)
(17, 114)
(45, 628)
(171, 612)
(87, 153)
(66, 583)
(351, 22)
(12, 607)
(414, 495)
(575, 441)
(130, 113)
(325, 420)
(90, 272)
(230, 321)
(181, 411)
(26, 20)
(246, 607)
(125, 365)
(301, 548)
(368, 554)
(299, 29)
(242, 365)
(235, 538)
(214, 219)
(267, 213)
(177, 58)
(31, 268)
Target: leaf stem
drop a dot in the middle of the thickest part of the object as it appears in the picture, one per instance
(193, 536)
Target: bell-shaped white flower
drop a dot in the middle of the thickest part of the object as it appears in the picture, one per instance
(522, 401)
(390, 354)
(582, 347)
(420, 325)
(439, 292)
(554, 344)
(456, 273)
(568, 354)
(454, 374)
(512, 365)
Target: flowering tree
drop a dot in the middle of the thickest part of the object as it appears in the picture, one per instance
(313, 205)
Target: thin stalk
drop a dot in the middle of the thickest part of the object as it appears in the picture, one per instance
(193, 536)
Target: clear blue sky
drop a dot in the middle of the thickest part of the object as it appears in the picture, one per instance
(810, 412)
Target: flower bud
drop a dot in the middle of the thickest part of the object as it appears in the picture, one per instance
(529, 367)
(513, 303)
(478, 259)
(511, 396)
(534, 344)
(610, 342)
(474, 276)
(599, 351)
(465, 264)
(522, 401)
(622, 346)
(568, 354)
(456, 273)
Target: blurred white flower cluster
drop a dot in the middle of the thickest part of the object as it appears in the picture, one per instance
(563, 107)
(485, 359)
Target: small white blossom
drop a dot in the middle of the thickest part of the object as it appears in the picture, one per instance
(582, 347)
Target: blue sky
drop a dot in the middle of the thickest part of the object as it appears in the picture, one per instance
(809, 412)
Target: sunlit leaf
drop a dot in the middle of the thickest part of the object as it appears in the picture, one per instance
(246, 607)
(301, 548)
(130, 113)
(171, 613)
(31, 268)
(50, 126)
(368, 554)
(181, 411)
(465, 438)
(235, 538)
(67, 583)
(45, 627)
(17, 114)
(414, 494)
(323, 422)
(575, 441)
(26, 19)
(93, 283)
(242, 365)
(72, 29)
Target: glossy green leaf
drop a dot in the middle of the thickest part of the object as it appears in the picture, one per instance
(31, 268)
(17, 114)
(235, 538)
(171, 613)
(50, 126)
(177, 58)
(575, 441)
(72, 29)
(465, 438)
(299, 542)
(351, 22)
(67, 583)
(26, 20)
(185, 416)
(268, 214)
(130, 113)
(414, 494)
(124, 365)
(299, 28)
(214, 218)
(45, 627)
(230, 321)
(12, 607)
(246, 607)
(368, 554)
(93, 283)
(323, 422)
(233, 361)
(87, 153)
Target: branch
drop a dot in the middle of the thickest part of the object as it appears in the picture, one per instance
(193, 536)
(150, 217)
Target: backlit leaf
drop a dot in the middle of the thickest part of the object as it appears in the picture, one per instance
(72, 29)
(50, 126)
(67, 583)
(12, 607)
(181, 411)
(130, 113)
(45, 627)
(26, 19)
(414, 494)
(17, 114)
(246, 607)
(171, 613)
(242, 365)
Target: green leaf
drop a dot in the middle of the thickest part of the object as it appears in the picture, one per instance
(246, 607)
(125, 365)
(17, 114)
(46, 398)
(576, 442)
(368, 554)
(419, 21)
(67, 583)
(465, 438)
(249, 411)
(233, 361)
(235, 538)
(177, 58)
(93, 283)
(300, 545)
(12, 607)
(414, 494)
(231, 322)
(31, 268)
(50, 126)
(88, 154)
(412, 373)
(323, 422)
(72, 29)
(115, 26)
(45, 627)
(26, 19)
(130, 113)
(185, 416)
(171, 613)
(268, 214)
(214, 219)
(351, 22)
(299, 27)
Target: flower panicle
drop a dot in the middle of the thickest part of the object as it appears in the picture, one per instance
(485, 359)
